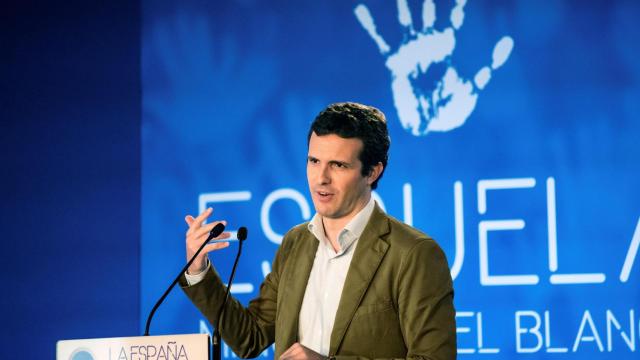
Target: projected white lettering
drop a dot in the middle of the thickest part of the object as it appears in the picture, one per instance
(533, 332)
(485, 228)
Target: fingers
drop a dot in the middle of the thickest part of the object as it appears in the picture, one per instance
(482, 77)
(199, 233)
(202, 237)
(501, 51)
(299, 351)
(215, 246)
(205, 230)
(500, 55)
(193, 242)
(224, 235)
(457, 14)
(428, 15)
(366, 20)
(197, 222)
(404, 16)
(290, 352)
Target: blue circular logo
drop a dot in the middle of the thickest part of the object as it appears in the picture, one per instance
(81, 354)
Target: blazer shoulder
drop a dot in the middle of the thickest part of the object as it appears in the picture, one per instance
(406, 236)
(408, 242)
(297, 231)
(294, 235)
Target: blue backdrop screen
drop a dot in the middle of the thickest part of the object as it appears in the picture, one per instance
(514, 130)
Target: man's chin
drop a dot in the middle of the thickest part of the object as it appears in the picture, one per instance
(325, 212)
(331, 215)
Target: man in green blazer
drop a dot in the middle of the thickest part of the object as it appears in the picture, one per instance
(352, 283)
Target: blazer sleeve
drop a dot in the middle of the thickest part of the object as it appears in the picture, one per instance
(247, 331)
(427, 314)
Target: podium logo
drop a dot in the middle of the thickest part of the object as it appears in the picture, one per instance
(446, 99)
(81, 354)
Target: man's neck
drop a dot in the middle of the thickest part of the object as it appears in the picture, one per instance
(332, 227)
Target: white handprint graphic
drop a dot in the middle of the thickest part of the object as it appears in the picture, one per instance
(452, 101)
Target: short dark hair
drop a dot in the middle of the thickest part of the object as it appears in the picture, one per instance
(353, 120)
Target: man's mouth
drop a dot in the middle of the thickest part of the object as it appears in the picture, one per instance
(324, 194)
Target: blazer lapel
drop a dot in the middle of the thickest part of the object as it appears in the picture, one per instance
(296, 278)
(368, 255)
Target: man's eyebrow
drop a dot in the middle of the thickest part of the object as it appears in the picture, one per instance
(338, 162)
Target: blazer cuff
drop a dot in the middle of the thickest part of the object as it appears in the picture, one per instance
(193, 279)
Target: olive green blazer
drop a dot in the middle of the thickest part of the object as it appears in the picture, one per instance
(397, 300)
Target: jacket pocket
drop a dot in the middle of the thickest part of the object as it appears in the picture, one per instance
(374, 332)
(376, 307)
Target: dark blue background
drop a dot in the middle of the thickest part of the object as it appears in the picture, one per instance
(70, 150)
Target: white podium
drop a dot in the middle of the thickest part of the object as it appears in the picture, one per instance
(164, 347)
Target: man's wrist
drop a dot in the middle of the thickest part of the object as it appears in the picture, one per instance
(193, 279)
(199, 270)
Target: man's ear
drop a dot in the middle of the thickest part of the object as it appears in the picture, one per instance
(375, 172)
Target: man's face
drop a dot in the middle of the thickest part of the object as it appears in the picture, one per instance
(334, 172)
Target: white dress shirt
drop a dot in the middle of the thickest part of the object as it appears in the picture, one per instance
(326, 280)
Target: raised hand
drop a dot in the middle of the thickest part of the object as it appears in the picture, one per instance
(453, 99)
(197, 234)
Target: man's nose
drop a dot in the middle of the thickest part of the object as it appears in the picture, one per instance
(324, 176)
